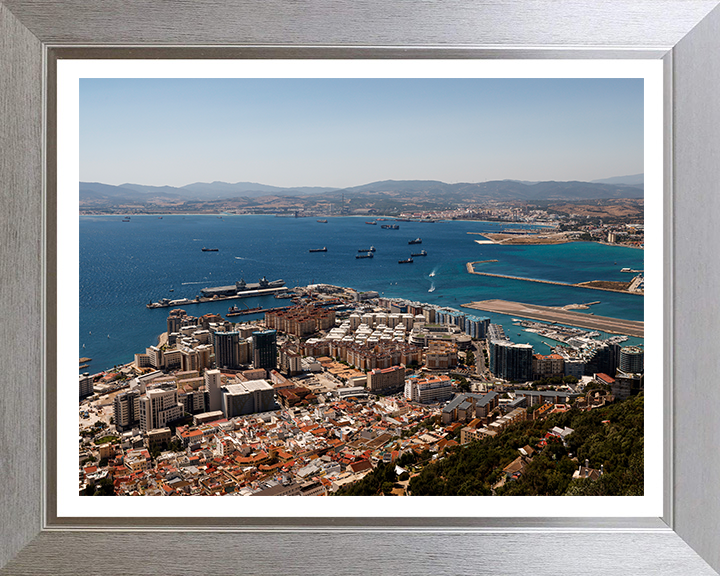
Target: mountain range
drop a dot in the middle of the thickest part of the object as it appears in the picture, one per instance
(98, 194)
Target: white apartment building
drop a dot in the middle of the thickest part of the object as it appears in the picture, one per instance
(158, 407)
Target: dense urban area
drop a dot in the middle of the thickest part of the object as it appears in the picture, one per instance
(351, 393)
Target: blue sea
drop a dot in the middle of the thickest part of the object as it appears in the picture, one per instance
(125, 265)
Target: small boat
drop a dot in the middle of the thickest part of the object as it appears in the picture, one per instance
(210, 249)
(372, 223)
(421, 253)
(323, 249)
(416, 241)
(368, 255)
(172, 290)
(408, 261)
(322, 221)
(372, 249)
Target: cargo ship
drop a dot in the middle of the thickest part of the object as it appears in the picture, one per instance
(421, 253)
(408, 261)
(390, 226)
(210, 249)
(368, 255)
(322, 221)
(373, 223)
(235, 311)
(372, 249)
(323, 249)
(416, 241)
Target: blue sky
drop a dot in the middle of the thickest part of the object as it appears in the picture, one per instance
(346, 132)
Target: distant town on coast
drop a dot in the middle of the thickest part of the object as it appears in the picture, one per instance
(340, 391)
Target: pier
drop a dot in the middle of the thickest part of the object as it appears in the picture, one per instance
(587, 285)
(560, 316)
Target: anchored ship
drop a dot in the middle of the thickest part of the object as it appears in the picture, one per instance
(372, 249)
(235, 311)
(421, 253)
(323, 249)
(416, 241)
(368, 255)
(408, 261)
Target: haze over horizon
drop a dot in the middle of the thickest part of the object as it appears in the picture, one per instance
(341, 133)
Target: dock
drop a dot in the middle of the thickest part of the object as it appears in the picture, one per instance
(216, 298)
(560, 316)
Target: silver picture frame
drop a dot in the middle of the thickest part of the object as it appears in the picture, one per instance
(684, 34)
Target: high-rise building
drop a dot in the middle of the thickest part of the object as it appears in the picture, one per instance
(86, 384)
(127, 410)
(632, 360)
(265, 349)
(510, 361)
(604, 358)
(174, 321)
(213, 382)
(226, 350)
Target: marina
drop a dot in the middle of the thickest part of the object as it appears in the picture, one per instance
(549, 314)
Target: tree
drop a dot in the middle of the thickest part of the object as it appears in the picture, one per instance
(105, 488)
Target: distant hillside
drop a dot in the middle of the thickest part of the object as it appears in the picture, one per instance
(632, 180)
(420, 194)
(493, 190)
(95, 192)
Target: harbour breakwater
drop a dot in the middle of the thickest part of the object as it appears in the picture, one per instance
(589, 285)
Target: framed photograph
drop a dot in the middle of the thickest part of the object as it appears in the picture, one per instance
(57, 88)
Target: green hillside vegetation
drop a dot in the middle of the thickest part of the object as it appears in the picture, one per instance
(618, 445)
(473, 469)
(383, 478)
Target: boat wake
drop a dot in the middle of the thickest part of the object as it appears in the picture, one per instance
(186, 283)
(432, 288)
